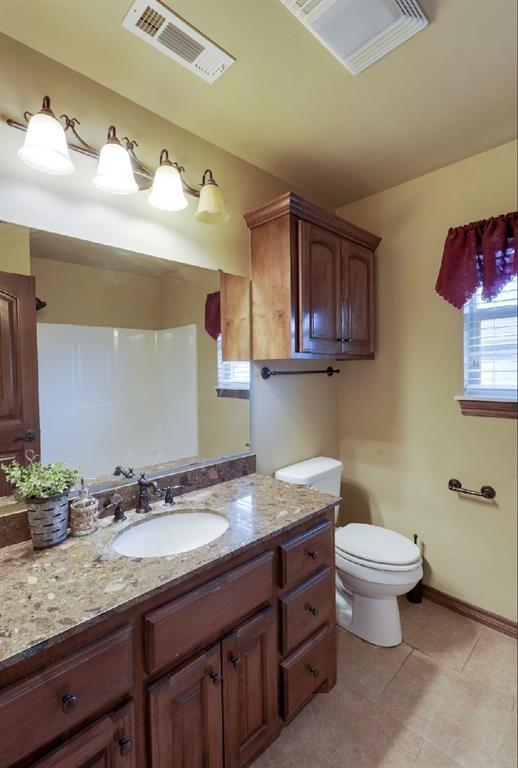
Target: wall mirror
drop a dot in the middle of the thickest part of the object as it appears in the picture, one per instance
(134, 364)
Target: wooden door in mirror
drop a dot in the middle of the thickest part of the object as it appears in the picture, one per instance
(19, 411)
(235, 317)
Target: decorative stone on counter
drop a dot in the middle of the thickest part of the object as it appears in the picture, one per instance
(50, 594)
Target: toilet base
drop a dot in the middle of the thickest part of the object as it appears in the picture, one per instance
(374, 619)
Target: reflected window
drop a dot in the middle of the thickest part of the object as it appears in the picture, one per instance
(233, 376)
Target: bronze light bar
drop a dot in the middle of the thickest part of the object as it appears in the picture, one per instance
(143, 176)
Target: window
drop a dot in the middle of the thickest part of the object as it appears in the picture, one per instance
(233, 376)
(490, 345)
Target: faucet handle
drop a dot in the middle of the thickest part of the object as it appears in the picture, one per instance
(170, 492)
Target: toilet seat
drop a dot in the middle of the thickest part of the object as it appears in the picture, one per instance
(378, 548)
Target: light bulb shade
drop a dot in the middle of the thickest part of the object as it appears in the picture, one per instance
(211, 206)
(167, 191)
(45, 147)
(114, 172)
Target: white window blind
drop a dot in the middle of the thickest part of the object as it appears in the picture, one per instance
(234, 374)
(490, 344)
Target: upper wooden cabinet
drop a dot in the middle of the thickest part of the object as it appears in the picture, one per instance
(312, 283)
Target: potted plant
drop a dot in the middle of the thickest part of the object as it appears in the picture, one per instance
(45, 489)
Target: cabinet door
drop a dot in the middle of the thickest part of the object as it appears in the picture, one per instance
(108, 743)
(185, 711)
(358, 304)
(320, 319)
(250, 688)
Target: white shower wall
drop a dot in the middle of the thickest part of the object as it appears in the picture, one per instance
(113, 396)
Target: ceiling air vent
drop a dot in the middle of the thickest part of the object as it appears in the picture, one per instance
(359, 32)
(158, 26)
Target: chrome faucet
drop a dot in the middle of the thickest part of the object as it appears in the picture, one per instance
(143, 504)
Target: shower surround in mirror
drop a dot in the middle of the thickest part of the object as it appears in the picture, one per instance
(113, 396)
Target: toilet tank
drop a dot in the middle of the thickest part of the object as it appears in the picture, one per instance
(320, 473)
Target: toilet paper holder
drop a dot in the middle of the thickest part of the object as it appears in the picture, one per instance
(486, 492)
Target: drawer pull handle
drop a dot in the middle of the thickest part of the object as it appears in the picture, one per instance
(215, 677)
(313, 554)
(235, 660)
(312, 609)
(314, 671)
(125, 746)
(69, 702)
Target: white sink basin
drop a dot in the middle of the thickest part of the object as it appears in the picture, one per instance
(170, 534)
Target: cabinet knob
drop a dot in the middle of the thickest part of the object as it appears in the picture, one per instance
(346, 341)
(314, 671)
(313, 554)
(69, 702)
(312, 609)
(235, 660)
(215, 677)
(125, 746)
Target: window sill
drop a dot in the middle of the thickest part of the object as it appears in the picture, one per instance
(239, 394)
(497, 409)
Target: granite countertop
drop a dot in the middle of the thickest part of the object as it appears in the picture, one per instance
(49, 594)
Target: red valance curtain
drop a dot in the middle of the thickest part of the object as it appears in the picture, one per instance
(213, 315)
(482, 253)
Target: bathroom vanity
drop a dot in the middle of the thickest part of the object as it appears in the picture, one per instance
(194, 660)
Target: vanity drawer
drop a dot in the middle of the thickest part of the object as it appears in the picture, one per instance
(306, 553)
(50, 702)
(306, 608)
(305, 671)
(194, 618)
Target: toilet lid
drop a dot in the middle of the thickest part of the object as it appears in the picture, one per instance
(376, 544)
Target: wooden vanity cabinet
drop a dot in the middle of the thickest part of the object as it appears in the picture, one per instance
(312, 283)
(201, 674)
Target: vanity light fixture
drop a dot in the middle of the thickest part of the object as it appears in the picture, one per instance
(114, 171)
(211, 207)
(45, 147)
(119, 170)
(167, 192)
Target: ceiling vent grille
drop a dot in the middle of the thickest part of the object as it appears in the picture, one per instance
(158, 26)
(356, 32)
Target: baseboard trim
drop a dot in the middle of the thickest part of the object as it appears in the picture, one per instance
(493, 620)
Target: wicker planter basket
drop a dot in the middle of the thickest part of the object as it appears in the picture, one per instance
(48, 520)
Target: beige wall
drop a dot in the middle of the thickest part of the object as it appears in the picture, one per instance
(15, 255)
(293, 417)
(224, 423)
(83, 295)
(402, 436)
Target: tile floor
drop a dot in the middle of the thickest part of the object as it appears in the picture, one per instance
(444, 698)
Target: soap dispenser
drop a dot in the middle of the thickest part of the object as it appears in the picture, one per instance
(83, 513)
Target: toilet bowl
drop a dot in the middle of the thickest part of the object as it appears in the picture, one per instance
(373, 565)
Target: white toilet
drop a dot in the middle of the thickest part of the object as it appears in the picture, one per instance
(373, 565)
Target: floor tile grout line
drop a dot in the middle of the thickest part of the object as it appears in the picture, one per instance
(380, 694)
(477, 641)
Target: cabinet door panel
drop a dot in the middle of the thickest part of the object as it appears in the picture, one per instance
(320, 311)
(108, 743)
(185, 712)
(358, 271)
(250, 688)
